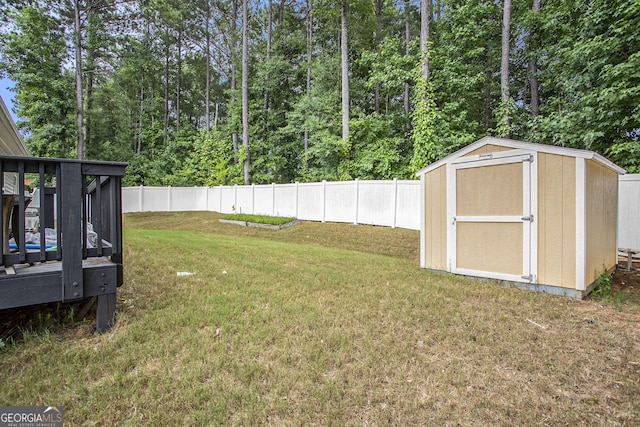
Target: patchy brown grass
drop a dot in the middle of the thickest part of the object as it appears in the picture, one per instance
(277, 328)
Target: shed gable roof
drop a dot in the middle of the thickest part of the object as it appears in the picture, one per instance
(512, 143)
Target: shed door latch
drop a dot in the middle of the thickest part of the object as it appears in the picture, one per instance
(528, 218)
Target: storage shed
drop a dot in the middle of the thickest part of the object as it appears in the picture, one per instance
(540, 216)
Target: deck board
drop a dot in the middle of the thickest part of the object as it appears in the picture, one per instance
(42, 283)
(51, 267)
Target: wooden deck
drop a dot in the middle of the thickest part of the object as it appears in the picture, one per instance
(86, 194)
(42, 283)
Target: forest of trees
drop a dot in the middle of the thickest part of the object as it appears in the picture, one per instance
(208, 92)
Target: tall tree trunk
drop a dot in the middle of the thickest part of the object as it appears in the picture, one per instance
(308, 87)
(425, 17)
(207, 95)
(245, 90)
(77, 38)
(309, 58)
(139, 145)
(266, 77)
(138, 148)
(281, 11)
(234, 71)
(89, 101)
(165, 129)
(407, 52)
(378, 6)
(488, 83)
(504, 68)
(344, 44)
(179, 80)
(533, 68)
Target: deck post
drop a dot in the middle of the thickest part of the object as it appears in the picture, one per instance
(105, 316)
(71, 227)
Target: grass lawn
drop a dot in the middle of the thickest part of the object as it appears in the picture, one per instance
(325, 324)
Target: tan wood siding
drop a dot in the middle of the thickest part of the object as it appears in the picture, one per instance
(491, 247)
(556, 225)
(485, 149)
(436, 218)
(601, 219)
(489, 190)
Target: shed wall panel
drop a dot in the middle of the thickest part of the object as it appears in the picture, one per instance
(569, 249)
(601, 220)
(556, 225)
(436, 219)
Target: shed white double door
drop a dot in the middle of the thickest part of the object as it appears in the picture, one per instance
(492, 230)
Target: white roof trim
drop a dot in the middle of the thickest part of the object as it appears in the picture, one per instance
(630, 177)
(10, 141)
(530, 146)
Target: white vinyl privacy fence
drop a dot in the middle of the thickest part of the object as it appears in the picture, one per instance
(629, 211)
(393, 203)
(388, 203)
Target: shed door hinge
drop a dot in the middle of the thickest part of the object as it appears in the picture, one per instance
(528, 218)
(530, 277)
(528, 159)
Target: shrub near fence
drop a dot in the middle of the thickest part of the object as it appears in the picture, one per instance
(393, 203)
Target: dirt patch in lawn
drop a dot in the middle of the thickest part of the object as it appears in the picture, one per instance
(625, 282)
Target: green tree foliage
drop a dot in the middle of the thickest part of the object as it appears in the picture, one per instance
(427, 144)
(594, 77)
(148, 100)
(34, 56)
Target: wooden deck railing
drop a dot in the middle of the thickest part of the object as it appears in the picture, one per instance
(79, 203)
